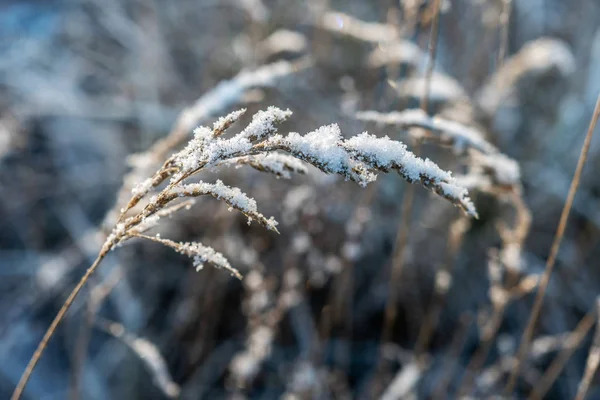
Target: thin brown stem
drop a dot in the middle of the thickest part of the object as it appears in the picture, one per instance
(81, 346)
(433, 39)
(593, 360)
(571, 344)
(57, 320)
(504, 23)
(97, 296)
(408, 201)
(560, 231)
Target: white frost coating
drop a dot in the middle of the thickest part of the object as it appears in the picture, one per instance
(142, 188)
(187, 159)
(225, 94)
(204, 254)
(357, 157)
(202, 152)
(221, 149)
(322, 147)
(201, 254)
(206, 149)
(233, 196)
(117, 234)
(263, 123)
(225, 122)
(459, 135)
(276, 163)
(201, 134)
(384, 153)
(147, 223)
(282, 164)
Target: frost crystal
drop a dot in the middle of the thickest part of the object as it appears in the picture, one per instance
(385, 154)
(263, 123)
(204, 254)
(221, 125)
(359, 159)
(278, 164)
(323, 149)
(233, 196)
(142, 188)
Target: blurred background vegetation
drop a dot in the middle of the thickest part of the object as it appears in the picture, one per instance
(85, 83)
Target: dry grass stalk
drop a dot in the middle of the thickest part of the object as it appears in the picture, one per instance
(432, 47)
(95, 300)
(101, 291)
(224, 95)
(359, 159)
(593, 360)
(572, 343)
(539, 299)
(504, 25)
(407, 208)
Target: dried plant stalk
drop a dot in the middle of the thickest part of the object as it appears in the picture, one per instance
(504, 24)
(358, 159)
(571, 343)
(226, 94)
(593, 360)
(560, 231)
(407, 203)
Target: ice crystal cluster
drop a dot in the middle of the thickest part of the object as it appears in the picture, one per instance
(259, 145)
